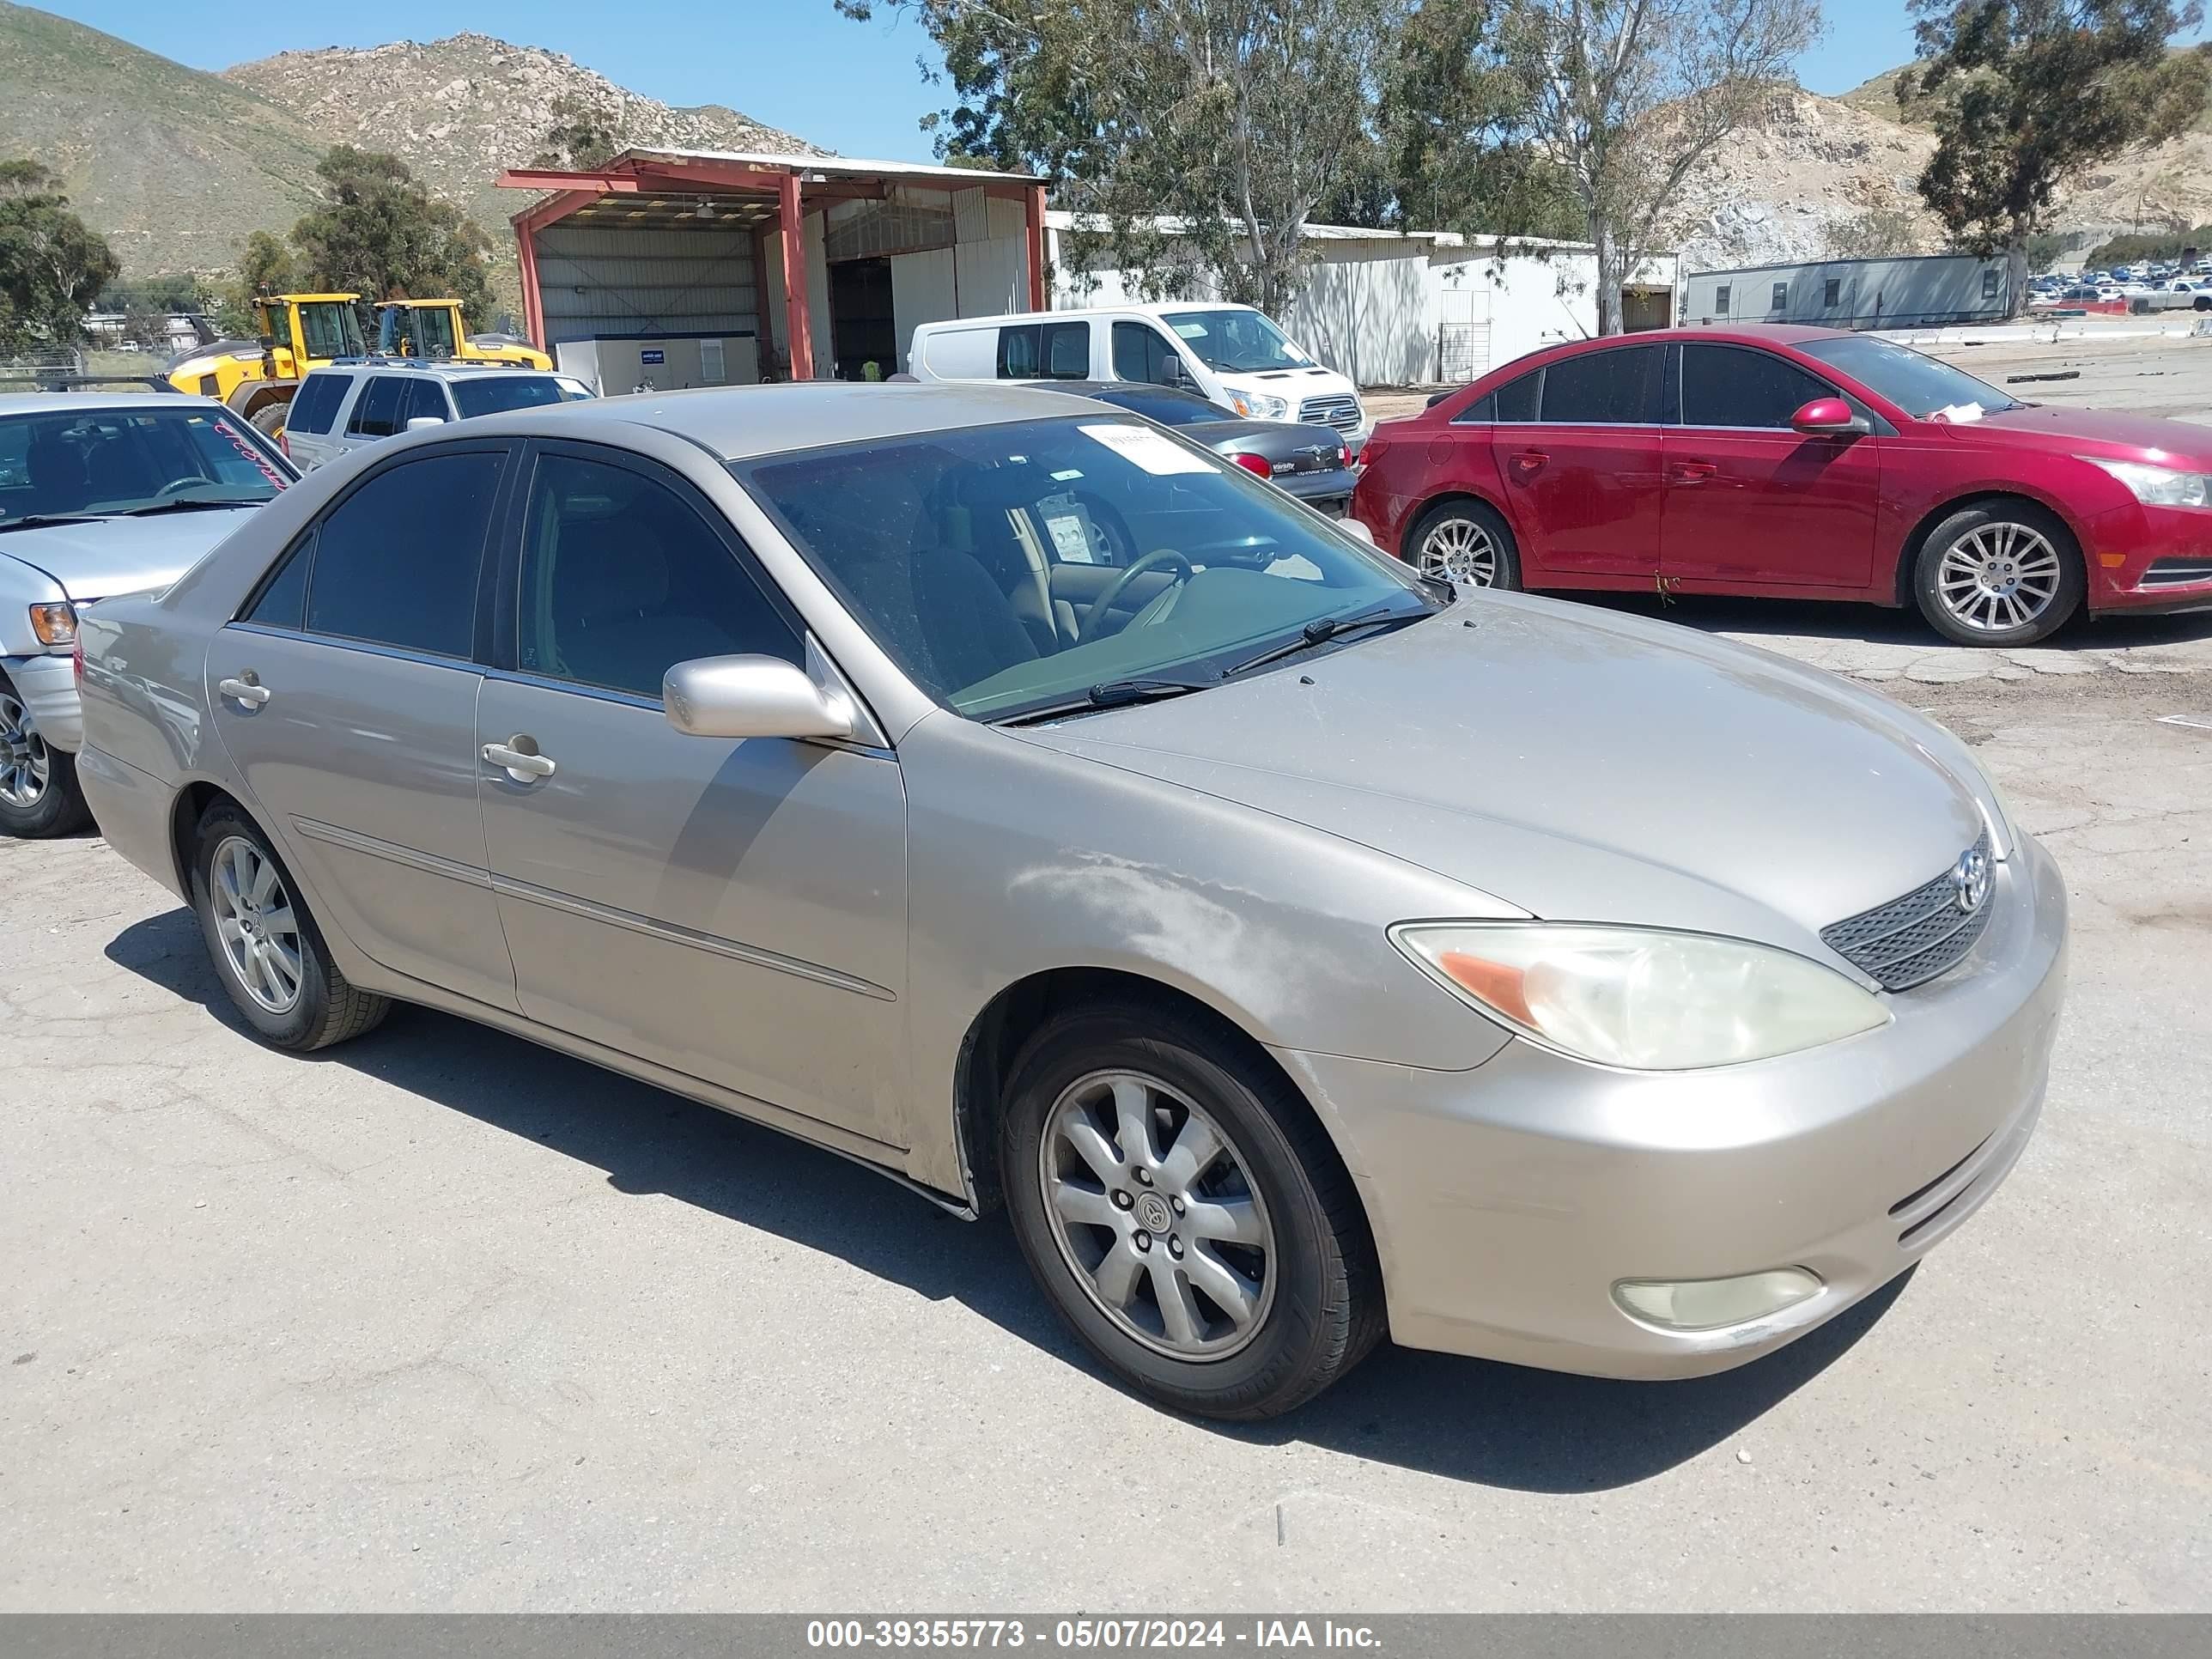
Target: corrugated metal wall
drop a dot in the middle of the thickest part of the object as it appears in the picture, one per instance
(696, 281)
(1904, 293)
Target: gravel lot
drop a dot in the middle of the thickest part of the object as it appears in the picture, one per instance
(442, 1321)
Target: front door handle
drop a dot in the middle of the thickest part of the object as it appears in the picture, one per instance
(523, 764)
(247, 690)
(1690, 473)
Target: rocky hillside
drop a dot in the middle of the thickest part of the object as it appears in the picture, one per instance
(1818, 174)
(174, 167)
(459, 110)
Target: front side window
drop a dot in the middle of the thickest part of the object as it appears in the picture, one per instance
(1617, 388)
(114, 463)
(1918, 385)
(621, 580)
(1729, 386)
(395, 562)
(1010, 569)
(376, 412)
(1140, 354)
(1237, 342)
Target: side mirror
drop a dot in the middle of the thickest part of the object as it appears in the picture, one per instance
(1827, 418)
(416, 422)
(752, 697)
(1173, 372)
(1359, 531)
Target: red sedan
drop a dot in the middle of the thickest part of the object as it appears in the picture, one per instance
(1799, 463)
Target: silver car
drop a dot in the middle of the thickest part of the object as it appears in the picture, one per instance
(1004, 793)
(100, 493)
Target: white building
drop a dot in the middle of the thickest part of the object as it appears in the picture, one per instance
(1412, 307)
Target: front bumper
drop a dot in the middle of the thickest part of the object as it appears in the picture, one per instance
(47, 686)
(1508, 1201)
(2134, 551)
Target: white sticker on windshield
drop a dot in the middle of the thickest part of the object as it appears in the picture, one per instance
(1070, 538)
(1960, 414)
(1155, 451)
(1189, 330)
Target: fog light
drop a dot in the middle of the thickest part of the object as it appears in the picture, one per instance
(1709, 1304)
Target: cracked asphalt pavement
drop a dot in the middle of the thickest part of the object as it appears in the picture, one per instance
(440, 1321)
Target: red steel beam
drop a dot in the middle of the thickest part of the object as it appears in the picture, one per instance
(1033, 213)
(798, 336)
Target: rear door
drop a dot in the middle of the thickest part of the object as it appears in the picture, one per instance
(1582, 481)
(376, 408)
(1750, 502)
(309, 423)
(346, 695)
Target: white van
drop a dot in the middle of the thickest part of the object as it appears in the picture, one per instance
(1232, 354)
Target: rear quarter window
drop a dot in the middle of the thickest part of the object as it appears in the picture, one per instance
(316, 404)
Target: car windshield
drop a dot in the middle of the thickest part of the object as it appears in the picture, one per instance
(1239, 341)
(101, 462)
(1921, 386)
(1009, 569)
(497, 392)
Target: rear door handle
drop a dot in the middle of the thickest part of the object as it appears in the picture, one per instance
(1694, 471)
(523, 765)
(247, 690)
(1529, 460)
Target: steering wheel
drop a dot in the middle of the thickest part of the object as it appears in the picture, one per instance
(1095, 623)
(176, 484)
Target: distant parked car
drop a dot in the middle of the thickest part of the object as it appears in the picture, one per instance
(1799, 463)
(1313, 462)
(100, 495)
(349, 404)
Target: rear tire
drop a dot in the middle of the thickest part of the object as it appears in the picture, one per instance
(267, 950)
(269, 420)
(2000, 574)
(1466, 542)
(1152, 1164)
(39, 798)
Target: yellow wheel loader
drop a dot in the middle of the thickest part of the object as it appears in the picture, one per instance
(298, 333)
(431, 329)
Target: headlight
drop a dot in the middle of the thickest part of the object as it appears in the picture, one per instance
(1638, 997)
(54, 625)
(2160, 486)
(1268, 408)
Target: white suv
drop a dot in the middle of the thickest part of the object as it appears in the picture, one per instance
(349, 404)
(1234, 354)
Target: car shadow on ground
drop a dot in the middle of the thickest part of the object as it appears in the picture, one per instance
(1820, 619)
(1472, 1420)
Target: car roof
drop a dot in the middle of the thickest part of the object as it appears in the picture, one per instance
(1133, 308)
(61, 403)
(739, 422)
(441, 371)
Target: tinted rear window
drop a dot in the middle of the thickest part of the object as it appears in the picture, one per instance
(317, 403)
(376, 412)
(1617, 388)
(492, 395)
(397, 561)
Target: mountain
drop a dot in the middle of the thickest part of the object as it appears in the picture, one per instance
(172, 165)
(459, 110)
(175, 166)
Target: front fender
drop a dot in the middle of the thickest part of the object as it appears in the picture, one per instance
(23, 585)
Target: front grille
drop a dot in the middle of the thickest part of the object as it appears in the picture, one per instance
(2175, 573)
(1339, 411)
(1910, 940)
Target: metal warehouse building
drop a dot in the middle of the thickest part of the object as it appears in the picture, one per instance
(671, 269)
(1929, 291)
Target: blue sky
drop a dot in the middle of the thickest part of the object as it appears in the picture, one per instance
(793, 63)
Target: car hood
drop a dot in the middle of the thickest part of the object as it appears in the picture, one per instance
(1276, 439)
(2051, 426)
(1579, 764)
(102, 557)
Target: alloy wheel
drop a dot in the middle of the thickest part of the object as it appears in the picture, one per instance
(27, 769)
(1155, 1214)
(254, 920)
(1460, 550)
(1998, 577)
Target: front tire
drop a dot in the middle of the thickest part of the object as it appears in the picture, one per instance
(268, 951)
(1466, 542)
(269, 420)
(1184, 1212)
(40, 797)
(2005, 572)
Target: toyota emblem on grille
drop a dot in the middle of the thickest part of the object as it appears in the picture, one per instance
(1970, 880)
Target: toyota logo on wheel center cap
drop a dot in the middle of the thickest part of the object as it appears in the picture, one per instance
(1152, 1214)
(1970, 880)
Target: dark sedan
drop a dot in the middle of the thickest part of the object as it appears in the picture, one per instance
(1311, 462)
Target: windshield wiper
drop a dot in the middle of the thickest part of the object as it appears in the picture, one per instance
(1322, 629)
(149, 510)
(38, 521)
(1109, 694)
